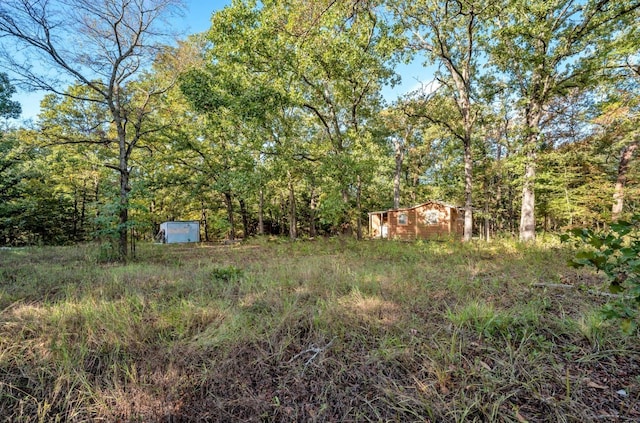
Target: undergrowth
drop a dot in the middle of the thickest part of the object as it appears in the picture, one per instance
(321, 330)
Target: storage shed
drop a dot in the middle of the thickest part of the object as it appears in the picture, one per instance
(176, 232)
(427, 220)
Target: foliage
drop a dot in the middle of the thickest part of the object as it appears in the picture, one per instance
(8, 108)
(36, 207)
(118, 43)
(305, 106)
(274, 119)
(543, 50)
(616, 253)
(228, 274)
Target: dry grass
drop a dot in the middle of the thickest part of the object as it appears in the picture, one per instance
(325, 330)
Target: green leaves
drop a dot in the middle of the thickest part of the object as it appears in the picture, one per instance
(616, 253)
(8, 108)
(201, 90)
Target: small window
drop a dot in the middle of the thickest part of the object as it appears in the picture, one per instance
(403, 219)
(431, 217)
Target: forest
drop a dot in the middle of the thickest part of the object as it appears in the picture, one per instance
(276, 121)
(273, 120)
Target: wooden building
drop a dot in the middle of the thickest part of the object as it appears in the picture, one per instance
(432, 219)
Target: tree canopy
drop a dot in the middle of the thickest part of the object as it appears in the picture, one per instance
(273, 120)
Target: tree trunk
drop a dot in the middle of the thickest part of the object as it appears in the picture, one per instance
(245, 217)
(512, 212)
(345, 226)
(283, 214)
(359, 209)
(546, 222)
(499, 214)
(399, 156)
(124, 214)
(468, 188)
(623, 167)
(293, 223)
(205, 222)
(124, 151)
(415, 182)
(123, 230)
(487, 217)
(527, 211)
(123, 170)
(261, 213)
(75, 217)
(312, 213)
(83, 209)
(228, 201)
(462, 83)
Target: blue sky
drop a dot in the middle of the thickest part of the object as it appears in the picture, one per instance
(196, 18)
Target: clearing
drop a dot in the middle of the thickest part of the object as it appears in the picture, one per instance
(324, 330)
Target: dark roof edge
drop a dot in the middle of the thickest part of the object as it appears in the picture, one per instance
(442, 203)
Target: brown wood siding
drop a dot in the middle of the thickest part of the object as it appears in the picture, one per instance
(449, 222)
(375, 226)
(430, 230)
(402, 231)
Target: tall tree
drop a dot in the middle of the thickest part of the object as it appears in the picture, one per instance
(333, 58)
(623, 108)
(619, 123)
(101, 44)
(403, 134)
(544, 48)
(448, 33)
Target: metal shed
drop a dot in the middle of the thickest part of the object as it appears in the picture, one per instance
(177, 232)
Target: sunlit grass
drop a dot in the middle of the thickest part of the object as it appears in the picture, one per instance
(319, 330)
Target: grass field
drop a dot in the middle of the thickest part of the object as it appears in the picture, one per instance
(324, 330)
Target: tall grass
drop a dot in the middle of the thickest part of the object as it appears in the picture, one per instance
(323, 330)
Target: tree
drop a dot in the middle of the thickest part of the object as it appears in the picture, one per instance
(76, 135)
(621, 108)
(338, 56)
(618, 122)
(234, 105)
(627, 154)
(544, 48)
(401, 131)
(448, 33)
(304, 79)
(9, 109)
(100, 44)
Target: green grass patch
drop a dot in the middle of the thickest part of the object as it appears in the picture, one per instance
(319, 330)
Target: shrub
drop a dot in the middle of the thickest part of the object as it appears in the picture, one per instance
(616, 253)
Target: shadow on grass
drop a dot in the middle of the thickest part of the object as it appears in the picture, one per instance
(325, 330)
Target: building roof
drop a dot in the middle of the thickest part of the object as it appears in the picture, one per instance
(418, 205)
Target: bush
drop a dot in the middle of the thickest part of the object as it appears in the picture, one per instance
(616, 253)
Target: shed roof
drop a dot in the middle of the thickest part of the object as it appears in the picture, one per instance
(442, 203)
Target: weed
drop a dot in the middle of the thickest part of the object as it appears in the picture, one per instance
(226, 274)
(322, 330)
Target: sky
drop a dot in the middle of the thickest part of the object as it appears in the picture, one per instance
(196, 18)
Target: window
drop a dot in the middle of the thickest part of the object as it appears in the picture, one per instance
(403, 219)
(431, 217)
